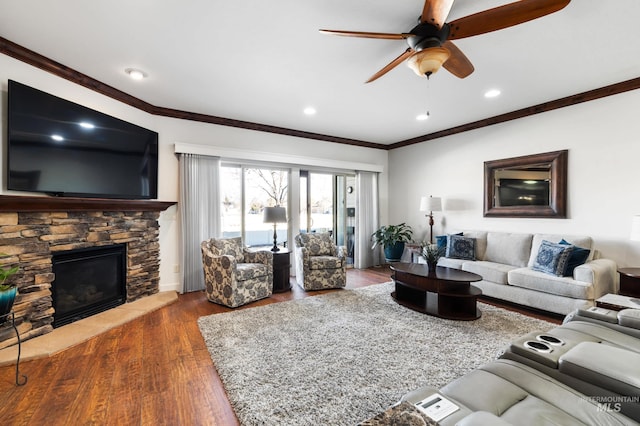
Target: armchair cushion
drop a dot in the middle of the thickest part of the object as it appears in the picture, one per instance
(325, 262)
(229, 247)
(248, 271)
(318, 244)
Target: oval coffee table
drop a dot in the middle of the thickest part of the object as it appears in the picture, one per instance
(446, 294)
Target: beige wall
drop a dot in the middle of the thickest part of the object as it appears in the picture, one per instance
(603, 174)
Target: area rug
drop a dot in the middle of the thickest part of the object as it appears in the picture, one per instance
(341, 358)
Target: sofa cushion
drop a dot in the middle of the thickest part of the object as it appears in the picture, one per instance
(552, 258)
(461, 247)
(448, 262)
(540, 281)
(578, 257)
(578, 240)
(507, 248)
(489, 271)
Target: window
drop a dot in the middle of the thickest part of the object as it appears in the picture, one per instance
(245, 192)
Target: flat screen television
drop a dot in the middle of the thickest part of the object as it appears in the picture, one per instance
(61, 148)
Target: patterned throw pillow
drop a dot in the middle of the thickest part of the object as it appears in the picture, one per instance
(552, 258)
(578, 256)
(459, 247)
(441, 241)
(318, 244)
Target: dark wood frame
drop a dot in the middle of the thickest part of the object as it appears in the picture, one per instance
(557, 207)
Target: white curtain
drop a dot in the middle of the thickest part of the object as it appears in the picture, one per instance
(366, 219)
(199, 213)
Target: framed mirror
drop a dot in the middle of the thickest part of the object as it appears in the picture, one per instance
(528, 186)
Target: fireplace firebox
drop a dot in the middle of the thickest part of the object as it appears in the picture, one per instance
(88, 281)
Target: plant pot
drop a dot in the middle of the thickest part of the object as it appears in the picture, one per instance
(432, 267)
(6, 300)
(394, 253)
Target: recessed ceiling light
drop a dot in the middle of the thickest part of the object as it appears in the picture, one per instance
(135, 73)
(492, 93)
(422, 117)
(86, 125)
(57, 138)
(310, 111)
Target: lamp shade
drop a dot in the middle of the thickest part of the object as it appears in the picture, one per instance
(430, 204)
(635, 228)
(275, 215)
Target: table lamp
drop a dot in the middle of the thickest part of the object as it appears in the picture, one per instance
(275, 215)
(430, 204)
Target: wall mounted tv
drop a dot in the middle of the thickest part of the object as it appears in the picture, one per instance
(64, 149)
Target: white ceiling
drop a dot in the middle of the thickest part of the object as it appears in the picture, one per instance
(265, 61)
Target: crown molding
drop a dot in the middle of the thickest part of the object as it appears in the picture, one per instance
(37, 60)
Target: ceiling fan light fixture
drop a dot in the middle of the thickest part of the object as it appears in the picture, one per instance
(428, 61)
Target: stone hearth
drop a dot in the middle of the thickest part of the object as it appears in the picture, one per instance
(29, 235)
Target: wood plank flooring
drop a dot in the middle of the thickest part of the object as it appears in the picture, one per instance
(155, 370)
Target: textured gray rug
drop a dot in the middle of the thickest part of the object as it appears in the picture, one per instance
(342, 357)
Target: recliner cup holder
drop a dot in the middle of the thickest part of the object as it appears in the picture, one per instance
(551, 340)
(538, 346)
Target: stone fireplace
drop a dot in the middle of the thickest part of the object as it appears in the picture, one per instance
(34, 229)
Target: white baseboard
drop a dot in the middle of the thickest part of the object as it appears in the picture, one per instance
(171, 287)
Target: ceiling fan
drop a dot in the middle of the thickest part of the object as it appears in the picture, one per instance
(430, 45)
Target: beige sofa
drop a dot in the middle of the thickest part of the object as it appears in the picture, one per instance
(505, 261)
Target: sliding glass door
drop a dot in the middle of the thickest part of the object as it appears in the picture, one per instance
(323, 206)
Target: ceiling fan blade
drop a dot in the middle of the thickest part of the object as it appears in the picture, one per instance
(436, 11)
(503, 17)
(457, 64)
(388, 36)
(391, 65)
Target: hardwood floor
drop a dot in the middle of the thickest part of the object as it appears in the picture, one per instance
(155, 370)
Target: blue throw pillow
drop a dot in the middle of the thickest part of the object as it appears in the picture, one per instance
(578, 256)
(441, 241)
(552, 258)
(459, 247)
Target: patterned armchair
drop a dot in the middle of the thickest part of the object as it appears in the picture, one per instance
(320, 263)
(233, 275)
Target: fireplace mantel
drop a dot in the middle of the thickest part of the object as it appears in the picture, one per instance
(17, 203)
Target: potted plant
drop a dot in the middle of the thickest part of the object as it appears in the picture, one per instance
(8, 291)
(431, 253)
(393, 239)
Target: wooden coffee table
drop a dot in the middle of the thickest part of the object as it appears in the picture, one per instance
(446, 294)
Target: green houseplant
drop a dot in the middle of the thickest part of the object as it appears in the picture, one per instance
(8, 291)
(431, 253)
(393, 239)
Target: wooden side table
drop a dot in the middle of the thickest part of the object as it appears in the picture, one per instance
(281, 267)
(630, 281)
